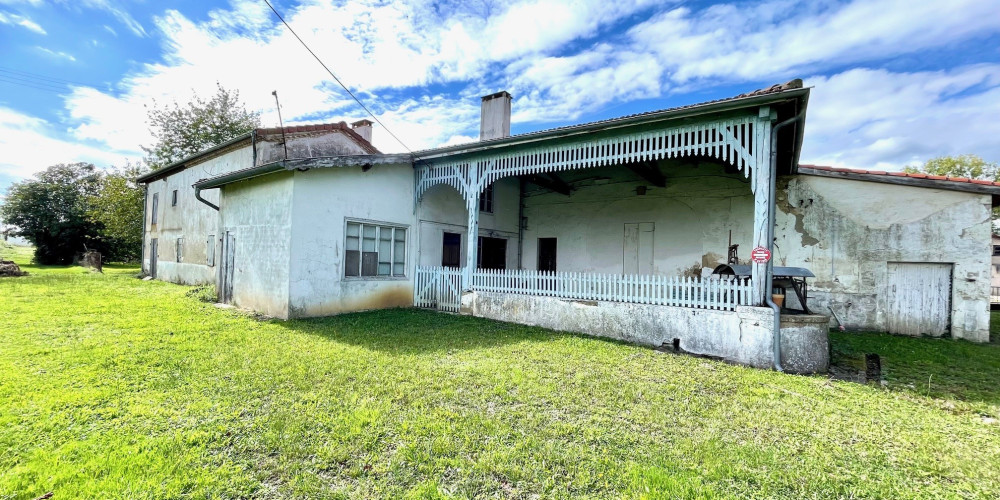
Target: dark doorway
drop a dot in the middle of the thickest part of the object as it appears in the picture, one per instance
(227, 270)
(546, 254)
(492, 253)
(451, 250)
(153, 250)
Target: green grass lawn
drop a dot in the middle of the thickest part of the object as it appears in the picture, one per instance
(113, 387)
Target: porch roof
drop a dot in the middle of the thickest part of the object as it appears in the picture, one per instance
(792, 91)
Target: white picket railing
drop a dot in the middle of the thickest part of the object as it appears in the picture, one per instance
(438, 287)
(710, 293)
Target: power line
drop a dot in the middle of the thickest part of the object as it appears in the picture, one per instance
(320, 61)
(34, 85)
(38, 76)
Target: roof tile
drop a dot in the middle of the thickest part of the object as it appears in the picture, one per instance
(901, 174)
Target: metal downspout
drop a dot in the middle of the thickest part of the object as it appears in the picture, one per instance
(769, 274)
(520, 222)
(253, 149)
(197, 195)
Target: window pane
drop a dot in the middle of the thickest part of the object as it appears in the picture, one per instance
(369, 263)
(399, 253)
(368, 238)
(384, 250)
(353, 230)
(351, 263)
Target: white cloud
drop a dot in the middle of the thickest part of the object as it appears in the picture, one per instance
(371, 45)
(57, 54)
(560, 60)
(31, 144)
(876, 119)
(740, 42)
(23, 21)
(114, 8)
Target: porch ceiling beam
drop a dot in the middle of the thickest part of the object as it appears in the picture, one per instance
(551, 182)
(648, 171)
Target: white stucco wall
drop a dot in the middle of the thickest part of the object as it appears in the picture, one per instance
(442, 210)
(692, 216)
(324, 199)
(189, 219)
(195, 221)
(313, 144)
(847, 231)
(259, 212)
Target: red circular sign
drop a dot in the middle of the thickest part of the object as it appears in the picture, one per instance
(760, 255)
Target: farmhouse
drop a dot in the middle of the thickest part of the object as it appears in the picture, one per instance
(639, 228)
(181, 226)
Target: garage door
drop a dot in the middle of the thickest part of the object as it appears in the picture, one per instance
(919, 298)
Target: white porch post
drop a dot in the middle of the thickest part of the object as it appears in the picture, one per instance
(472, 240)
(762, 202)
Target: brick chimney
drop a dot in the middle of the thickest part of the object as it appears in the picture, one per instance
(494, 123)
(363, 128)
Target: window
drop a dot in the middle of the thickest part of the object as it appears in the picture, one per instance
(996, 250)
(375, 250)
(486, 200)
(180, 248)
(156, 204)
(451, 250)
(173, 199)
(210, 250)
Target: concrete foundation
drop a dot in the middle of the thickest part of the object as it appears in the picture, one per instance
(805, 343)
(742, 336)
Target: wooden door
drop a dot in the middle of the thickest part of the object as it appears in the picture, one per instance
(919, 298)
(226, 270)
(451, 250)
(638, 248)
(152, 257)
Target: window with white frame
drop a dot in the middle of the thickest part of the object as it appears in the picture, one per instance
(375, 249)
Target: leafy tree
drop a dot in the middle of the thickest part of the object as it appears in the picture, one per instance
(117, 210)
(969, 166)
(51, 211)
(181, 131)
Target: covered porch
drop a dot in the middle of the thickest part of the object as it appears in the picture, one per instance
(613, 228)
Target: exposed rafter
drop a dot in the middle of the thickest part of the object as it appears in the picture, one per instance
(551, 182)
(648, 171)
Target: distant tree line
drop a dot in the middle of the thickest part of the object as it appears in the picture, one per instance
(67, 209)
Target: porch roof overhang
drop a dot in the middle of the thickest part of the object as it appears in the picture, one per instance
(363, 161)
(735, 131)
(797, 96)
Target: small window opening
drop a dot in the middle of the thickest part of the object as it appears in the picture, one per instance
(486, 200)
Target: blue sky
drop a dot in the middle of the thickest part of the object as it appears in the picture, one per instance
(895, 82)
